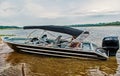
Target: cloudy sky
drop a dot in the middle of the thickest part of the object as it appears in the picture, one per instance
(58, 12)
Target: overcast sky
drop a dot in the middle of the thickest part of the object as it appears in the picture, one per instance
(58, 12)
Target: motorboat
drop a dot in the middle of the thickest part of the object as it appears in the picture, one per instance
(75, 47)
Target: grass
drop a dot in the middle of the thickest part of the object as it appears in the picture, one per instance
(7, 35)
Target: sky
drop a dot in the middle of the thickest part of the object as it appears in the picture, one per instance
(58, 12)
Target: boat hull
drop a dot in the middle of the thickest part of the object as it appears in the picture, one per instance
(58, 52)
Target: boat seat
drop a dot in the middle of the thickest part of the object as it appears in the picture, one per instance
(34, 39)
(58, 41)
(75, 44)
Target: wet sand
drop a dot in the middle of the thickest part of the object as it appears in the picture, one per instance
(17, 64)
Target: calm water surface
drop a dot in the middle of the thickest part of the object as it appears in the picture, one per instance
(50, 66)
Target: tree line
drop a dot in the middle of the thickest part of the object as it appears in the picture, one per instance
(117, 23)
(9, 27)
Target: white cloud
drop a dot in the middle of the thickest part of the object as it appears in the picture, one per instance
(103, 6)
(97, 7)
(58, 11)
(39, 11)
(7, 9)
(9, 23)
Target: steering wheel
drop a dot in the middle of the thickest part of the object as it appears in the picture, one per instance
(34, 39)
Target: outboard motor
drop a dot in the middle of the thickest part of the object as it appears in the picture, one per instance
(110, 45)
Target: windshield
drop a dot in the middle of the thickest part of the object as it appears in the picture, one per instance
(86, 46)
(94, 46)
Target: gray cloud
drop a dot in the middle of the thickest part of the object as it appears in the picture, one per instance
(60, 12)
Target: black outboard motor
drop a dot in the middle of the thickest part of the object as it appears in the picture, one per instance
(110, 45)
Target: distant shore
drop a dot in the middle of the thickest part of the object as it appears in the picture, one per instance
(93, 26)
(116, 23)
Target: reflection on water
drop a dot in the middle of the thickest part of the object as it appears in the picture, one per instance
(37, 65)
(64, 66)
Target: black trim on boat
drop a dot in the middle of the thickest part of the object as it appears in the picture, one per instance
(61, 29)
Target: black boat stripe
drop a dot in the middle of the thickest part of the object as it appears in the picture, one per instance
(49, 48)
(51, 51)
(59, 55)
(54, 49)
(70, 54)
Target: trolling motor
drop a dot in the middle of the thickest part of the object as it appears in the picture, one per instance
(110, 45)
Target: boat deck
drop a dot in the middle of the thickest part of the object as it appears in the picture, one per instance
(19, 44)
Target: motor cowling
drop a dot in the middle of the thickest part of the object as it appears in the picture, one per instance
(110, 45)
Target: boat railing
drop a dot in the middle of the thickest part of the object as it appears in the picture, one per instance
(82, 36)
(56, 41)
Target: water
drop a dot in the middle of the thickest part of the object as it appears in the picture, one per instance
(96, 33)
(50, 66)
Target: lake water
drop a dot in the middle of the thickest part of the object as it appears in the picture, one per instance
(50, 66)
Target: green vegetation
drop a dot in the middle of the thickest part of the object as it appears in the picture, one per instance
(9, 27)
(117, 23)
(7, 35)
